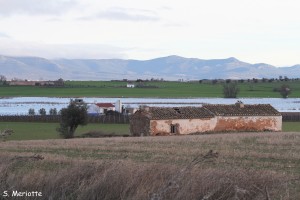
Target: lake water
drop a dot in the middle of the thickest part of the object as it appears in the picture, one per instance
(21, 105)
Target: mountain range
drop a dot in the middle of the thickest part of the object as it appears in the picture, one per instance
(168, 68)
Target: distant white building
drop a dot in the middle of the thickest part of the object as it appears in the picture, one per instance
(100, 108)
(130, 85)
(119, 106)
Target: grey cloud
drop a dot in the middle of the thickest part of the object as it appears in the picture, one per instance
(35, 7)
(125, 14)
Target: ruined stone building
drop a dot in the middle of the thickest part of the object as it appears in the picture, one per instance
(208, 118)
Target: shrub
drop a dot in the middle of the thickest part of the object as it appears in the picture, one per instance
(230, 90)
(53, 111)
(42, 111)
(285, 90)
(31, 111)
(99, 134)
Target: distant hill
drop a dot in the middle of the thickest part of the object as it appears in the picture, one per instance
(168, 68)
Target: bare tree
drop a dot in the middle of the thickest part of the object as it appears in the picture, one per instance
(2, 80)
(31, 111)
(53, 111)
(285, 90)
(42, 111)
(230, 90)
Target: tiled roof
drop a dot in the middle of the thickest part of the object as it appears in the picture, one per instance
(208, 111)
(245, 110)
(105, 105)
(178, 113)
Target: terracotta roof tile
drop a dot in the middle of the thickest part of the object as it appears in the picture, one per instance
(178, 113)
(245, 110)
(207, 111)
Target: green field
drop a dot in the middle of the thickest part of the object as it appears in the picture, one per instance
(37, 131)
(291, 126)
(40, 131)
(166, 89)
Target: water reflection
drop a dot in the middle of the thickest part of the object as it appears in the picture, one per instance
(21, 105)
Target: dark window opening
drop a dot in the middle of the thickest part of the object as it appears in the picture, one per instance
(173, 128)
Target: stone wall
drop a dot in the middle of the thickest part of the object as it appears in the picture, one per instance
(249, 123)
(139, 126)
(182, 126)
(142, 126)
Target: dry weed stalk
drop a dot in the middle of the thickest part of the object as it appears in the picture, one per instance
(5, 133)
(246, 166)
(173, 183)
(35, 157)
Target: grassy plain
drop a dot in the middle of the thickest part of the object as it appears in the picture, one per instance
(157, 89)
(42, 131)
(212, 166)
(291, 126)
(218, 166)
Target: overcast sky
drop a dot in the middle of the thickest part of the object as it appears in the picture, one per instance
(251, 30)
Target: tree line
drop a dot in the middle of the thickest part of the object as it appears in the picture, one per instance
(231, 90)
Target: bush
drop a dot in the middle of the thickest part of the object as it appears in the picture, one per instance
(98, 134)
(285, 90)
(230, 90)
(31, 111)
(42, 111)
(53, 111)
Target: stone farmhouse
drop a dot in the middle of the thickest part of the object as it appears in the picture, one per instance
(151, 121)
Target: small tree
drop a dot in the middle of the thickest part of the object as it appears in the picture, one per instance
(31, 111)
(215, 81)
(285, 90)
(60, 82)
(230, 90)
(72, 116)
(2, 80)
(42, 111)
(53, 111)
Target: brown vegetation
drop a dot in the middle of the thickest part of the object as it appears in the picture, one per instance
(221, 166)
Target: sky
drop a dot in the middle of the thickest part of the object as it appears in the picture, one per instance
(254, 31)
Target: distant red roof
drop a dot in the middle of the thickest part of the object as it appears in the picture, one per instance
(105, 105)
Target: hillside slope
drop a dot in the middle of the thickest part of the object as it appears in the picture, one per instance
(169, 68)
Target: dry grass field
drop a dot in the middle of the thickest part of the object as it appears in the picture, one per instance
(217, 166)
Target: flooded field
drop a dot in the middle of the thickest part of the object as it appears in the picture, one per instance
(21, 105)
